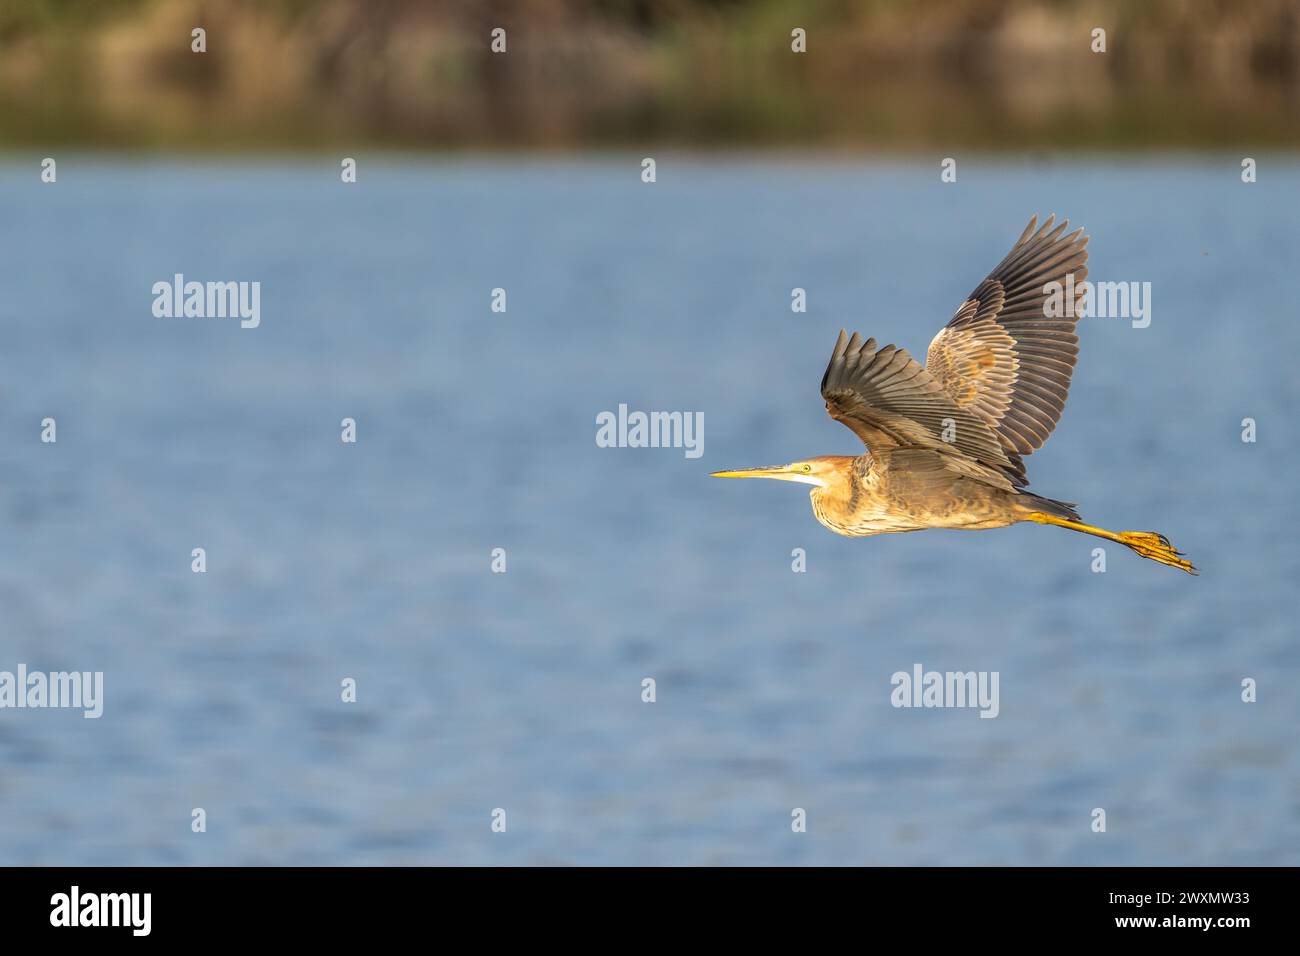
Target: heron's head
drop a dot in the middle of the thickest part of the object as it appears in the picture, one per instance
(822, 471)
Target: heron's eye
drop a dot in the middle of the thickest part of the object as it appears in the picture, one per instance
(806, 469)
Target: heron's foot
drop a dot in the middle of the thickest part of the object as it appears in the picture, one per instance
(1146, 543)
(1157, 548)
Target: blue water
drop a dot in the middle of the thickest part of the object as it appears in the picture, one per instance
(476, 430)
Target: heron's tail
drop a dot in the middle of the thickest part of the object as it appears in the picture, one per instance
(1146, 543)
(1058, 509)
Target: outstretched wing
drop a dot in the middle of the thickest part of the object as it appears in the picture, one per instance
(1001, 357)
(890, 401)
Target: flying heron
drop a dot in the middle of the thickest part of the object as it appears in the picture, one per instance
(945, 442)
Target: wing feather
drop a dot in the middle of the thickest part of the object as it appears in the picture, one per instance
(890, 401)
(1001, 356)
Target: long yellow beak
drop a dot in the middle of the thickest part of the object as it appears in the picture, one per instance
(780, 472)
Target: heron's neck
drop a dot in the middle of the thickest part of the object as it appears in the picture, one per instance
(835, 491)
(841, 489)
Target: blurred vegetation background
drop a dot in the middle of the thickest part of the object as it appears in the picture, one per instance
(878, 74)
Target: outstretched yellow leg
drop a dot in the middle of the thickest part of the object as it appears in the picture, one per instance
(1146, 543)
